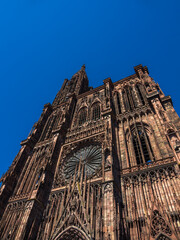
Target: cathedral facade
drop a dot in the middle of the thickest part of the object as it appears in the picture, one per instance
(100, 164)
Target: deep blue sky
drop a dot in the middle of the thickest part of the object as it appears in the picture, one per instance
(42, 42)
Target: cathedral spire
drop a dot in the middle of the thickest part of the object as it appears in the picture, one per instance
(77, 84)
(83, 67)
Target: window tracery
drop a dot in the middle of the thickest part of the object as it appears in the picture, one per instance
(129, 98)
(141, 145)
(132, 96)
(142, 184)
(90, 157)
(159, 225)
(96, 111)
(82, 116)
(125, 100)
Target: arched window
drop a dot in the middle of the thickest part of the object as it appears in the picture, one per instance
(159, 225)
(137, 149)
(82, 116)
(96, 112)
(142, 146)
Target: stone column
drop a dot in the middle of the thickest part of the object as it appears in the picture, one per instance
(108, 212)
(122, 102)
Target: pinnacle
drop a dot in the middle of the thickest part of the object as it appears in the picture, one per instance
(83, 67)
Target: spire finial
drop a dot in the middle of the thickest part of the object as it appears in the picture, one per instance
(83, 67)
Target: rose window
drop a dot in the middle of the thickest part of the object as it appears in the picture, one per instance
(90, 158)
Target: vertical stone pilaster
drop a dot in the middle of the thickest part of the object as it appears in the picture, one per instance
(108, 211)
(21, 231)
(122, 101)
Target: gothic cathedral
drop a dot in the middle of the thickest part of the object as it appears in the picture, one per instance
(100, 164)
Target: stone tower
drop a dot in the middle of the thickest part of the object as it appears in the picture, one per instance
(99, 164)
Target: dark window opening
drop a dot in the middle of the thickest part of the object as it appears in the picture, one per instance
(144, 148)
(146, 84)
(96, 112)
(142, 145)
(137, 150)
(82, 117)
(118, 103)
(126, 104)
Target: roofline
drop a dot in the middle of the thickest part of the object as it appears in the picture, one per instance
(125, 79)
(103, 86)
(91, 91)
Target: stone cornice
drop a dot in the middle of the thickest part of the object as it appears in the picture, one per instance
(133, 76)
(125, 79)
(138, 110)
(148, 167)
(167, 99)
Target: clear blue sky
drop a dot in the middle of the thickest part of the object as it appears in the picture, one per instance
(42, 42)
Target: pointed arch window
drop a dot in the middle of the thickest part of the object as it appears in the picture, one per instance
(137, 149)
(160, 227)
(142, 146)
(96, 112)
(82, 116)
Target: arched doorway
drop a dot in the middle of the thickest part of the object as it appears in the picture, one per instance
(72, 232)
